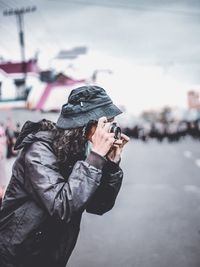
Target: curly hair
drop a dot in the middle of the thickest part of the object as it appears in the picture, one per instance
(68, 144)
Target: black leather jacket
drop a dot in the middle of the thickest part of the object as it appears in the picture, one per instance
(41, 211)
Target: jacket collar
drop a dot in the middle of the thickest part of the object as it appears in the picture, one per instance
(31, 133)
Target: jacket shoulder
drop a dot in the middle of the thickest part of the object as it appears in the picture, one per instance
(41, 152)
(39, 147)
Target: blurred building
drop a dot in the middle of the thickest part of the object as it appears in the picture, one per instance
(16, 69)
(14, 88)
(193, 100)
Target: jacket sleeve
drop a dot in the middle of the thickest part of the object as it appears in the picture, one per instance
(60, 198)
(104, 198)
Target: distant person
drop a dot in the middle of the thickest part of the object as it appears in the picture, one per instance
(2, 159)
(10, 138)
(62, 170)
(17, 130)
(2, 141)
(1, 197)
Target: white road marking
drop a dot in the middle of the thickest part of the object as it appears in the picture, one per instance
(156, 187)
(192, 189)
(197, 162)
(187, 154)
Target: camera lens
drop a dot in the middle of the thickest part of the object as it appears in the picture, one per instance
(116, 130)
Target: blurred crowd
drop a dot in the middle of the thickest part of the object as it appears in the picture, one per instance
(9, 132)
(172, 131)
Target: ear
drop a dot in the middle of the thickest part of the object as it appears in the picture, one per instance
(91, 132)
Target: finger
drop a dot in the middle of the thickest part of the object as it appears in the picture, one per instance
(101, 122)
(116, 150)
(116, 146)
(107, 127)
(111, 135)
(124, 143)
(125, 138)
(118, 142)
(111, 139)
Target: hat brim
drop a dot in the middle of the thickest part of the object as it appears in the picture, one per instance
(81, 119)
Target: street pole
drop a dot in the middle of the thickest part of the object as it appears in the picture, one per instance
(19, 13)
(20, 23)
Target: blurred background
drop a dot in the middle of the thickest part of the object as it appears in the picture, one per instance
(146, 55)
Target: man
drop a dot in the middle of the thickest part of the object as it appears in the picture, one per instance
(56, 176)
(2, 161)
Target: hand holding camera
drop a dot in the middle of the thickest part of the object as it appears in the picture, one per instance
(108, 140)
(102, 139)
(115, 152)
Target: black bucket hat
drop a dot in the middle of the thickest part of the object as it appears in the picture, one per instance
(84, 104)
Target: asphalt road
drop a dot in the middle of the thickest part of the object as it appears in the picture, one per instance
(156, 218)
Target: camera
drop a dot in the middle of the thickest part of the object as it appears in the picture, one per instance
(113, 129)
(116, 130)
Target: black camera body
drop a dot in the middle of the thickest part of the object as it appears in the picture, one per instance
(116, 130)
(113, 129)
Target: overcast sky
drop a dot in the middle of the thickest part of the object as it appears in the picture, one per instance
(150, 44)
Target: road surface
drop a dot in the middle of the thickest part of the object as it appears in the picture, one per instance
(156, 219)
